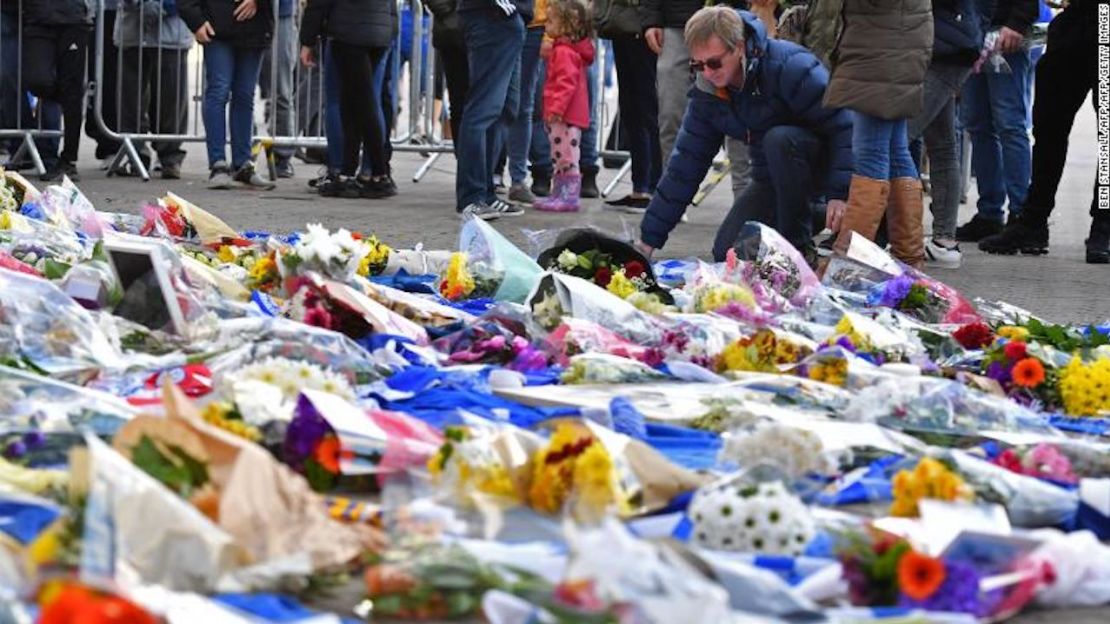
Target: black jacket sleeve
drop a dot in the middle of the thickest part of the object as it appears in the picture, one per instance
(1017, 15)
(194, 12)
(651, 13)
(314, 21)
(440, 8)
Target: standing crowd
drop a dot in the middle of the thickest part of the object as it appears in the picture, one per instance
(827, 111)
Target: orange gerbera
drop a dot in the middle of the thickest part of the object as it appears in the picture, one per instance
(328, 452)
(1028, 373)
(919, 576)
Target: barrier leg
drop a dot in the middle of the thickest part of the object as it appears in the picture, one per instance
(424, 168)
(623, 171)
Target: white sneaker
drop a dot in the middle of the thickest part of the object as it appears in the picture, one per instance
(942, 257)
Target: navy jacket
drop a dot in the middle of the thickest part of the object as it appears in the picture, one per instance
(784, 87)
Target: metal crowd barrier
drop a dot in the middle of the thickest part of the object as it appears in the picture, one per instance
(125, 116)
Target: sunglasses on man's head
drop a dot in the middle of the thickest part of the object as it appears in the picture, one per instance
(713, 63)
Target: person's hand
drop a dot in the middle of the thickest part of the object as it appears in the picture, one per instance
(246, 10)
(644, 248)
(654, 38)
(554, 118)
(1009, 40)
(308, 57)
(834, 214)
(205, 33)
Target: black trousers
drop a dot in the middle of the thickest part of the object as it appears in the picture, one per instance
(639, 109)
(456, 70)
(1065, 74)
(361, 115)
(156, 98)
(54, 69)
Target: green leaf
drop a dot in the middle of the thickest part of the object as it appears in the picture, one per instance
(319, 479)
(585, 262)
(177, 476)
(460, 603)
(54, 270)
(388, 605)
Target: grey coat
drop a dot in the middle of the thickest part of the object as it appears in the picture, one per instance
(879, 64)
(145, 23)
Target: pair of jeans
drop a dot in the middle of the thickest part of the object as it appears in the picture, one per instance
(363, 123)
(276, 82)
(156, 98)
(994, 108)
(231, 74)
(936, 124)
(456, 72)
(540, 151)
(795, 167)
(639, 109)
(881, 148)
(520, 133)
(54, 69)
(1065, 74)
(493, 45)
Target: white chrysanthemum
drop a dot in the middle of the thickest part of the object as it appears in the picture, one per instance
(795, 451)
(292, 377)
(763, 518)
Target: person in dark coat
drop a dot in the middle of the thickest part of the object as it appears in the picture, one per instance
(768, 94)
(1065, 74)
(360, 31)
(878, 72)
(234, 34)
(55, 42)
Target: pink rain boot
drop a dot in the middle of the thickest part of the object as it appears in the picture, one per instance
(564, 194)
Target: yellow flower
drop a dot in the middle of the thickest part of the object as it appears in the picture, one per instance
(5, 220)
(620, 285)
(1013, 332)
(929, 479)
(457, 281)
(263, 269)
(717, 296)
(738, 357)
(226, 254)
(1083, 387)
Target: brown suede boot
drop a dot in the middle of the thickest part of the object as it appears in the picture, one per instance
(867, 198)
(904, 221)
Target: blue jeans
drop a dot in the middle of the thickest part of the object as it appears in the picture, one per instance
(936, 126)
(493, 45)
(994, 108)
(520, 133)
(881, 148)
(795, 168)
(540, 153)
(232, 74)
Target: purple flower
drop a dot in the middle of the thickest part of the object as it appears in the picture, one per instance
(998, 372)
(958, 594)
(846, 343)
(304, 432)
(34, 440)
(891, 292)
(15, 450)
(529, 359)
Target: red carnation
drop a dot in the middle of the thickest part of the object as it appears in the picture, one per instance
(634, 268)
(1015, 350)
(974, 336)
(602, 277)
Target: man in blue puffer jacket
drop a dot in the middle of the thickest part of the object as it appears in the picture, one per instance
(767, 93)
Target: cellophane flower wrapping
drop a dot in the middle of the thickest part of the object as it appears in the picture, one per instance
(516, 273)
(776, 271)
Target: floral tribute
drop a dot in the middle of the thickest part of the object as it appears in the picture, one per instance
(575, 469)
(756, 518)
(764, 351)
(1085, 387)
(1044, 461)
(929, 479)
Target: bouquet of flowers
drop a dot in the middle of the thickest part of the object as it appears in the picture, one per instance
(576, 336)
(751, 517)
(1023, 375)
(909, 295)
(511, 274)
(334, 255)
(773, 268)
(930, 478)
(595, 257)
(463, 279)
(488, 342)
(602, 368)
(1084, 387)
(793, 451)
(474, 463)
(1043, 461)
(767, 350)
(575, 468)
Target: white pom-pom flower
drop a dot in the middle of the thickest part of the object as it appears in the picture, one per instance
(760, 518)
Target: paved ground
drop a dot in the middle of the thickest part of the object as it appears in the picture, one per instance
(1059, 286)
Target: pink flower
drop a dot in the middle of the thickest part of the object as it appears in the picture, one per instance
(496, 343)
(318, 317)
(1045, 460)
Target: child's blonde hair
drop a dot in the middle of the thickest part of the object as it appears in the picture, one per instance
(575, 18)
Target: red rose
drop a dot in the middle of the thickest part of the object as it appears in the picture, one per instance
(602, 276)
(1015, 350)
(634, 268)
(974, 336)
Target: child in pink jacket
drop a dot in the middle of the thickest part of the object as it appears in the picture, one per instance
(566, 103)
